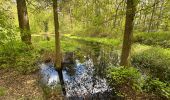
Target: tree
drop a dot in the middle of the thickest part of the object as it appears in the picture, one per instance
(57, 35)
(128, 33)
(152, 16)
(57, 45)
(23, 21)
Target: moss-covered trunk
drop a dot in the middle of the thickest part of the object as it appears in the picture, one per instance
(128, 33)
(23, 21)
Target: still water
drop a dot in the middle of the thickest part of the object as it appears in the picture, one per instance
(86, 78)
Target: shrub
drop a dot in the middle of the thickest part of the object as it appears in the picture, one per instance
(161, 39)
(19, 56)
(126, 81)
(157, 87)
(26, 63)
(153, 61)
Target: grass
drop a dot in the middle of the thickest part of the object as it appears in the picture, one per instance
(140, 48)
(106, 41)
(156, 38)
(66, 45)
(154, 61)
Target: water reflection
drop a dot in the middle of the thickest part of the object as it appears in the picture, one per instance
(83, 84)
(102, 56)
(86, 78)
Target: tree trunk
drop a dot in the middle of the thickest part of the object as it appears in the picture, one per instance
(57, 45)
(70, 15)
(128, 33)
(45, 25)
(160, 15)
(97, 17)
(23, 21)
(117, 8)
(57, 36)
(152, 16)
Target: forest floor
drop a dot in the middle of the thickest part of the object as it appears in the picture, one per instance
(15, 86)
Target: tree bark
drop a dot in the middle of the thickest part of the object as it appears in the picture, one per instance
(57, 45)
(128, 33)
(23, 21)
(57, 36)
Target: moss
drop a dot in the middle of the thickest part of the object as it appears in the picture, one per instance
(2, 91)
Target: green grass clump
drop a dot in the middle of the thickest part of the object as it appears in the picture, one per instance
(154, 61)
(155, 38)
(157, 87)
(130, 83)
(18, 56)
(67, 45)
(124, 79)
(106, 41)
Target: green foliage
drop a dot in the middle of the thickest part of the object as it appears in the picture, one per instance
(124, 77)
(92, 17)
(69, 46)
(153, 61)
(157, 87)
(40, 16)
(155, 38)
(7, 29)
(44, 44)
(125, 80)
(26, 63)
(114, 42)
(19, 56)
(52, 92)
(40, 21)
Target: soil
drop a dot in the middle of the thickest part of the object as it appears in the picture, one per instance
(20, 87)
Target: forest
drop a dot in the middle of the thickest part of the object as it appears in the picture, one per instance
(84, 49)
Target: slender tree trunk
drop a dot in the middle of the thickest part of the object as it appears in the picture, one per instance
(45, 25)
(160, 15)
(115, 17)
(97, 14)
(144, 23)
(151, 19)
(117, 8)
(57, 35)
(57, 45)
(121, 17)
(140, 17)
(128, 33)
(70, 15)
(23, 21)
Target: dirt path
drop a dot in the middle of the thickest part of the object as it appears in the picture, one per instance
(15, 86)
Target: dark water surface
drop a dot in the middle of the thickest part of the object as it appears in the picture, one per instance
(86, 79)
